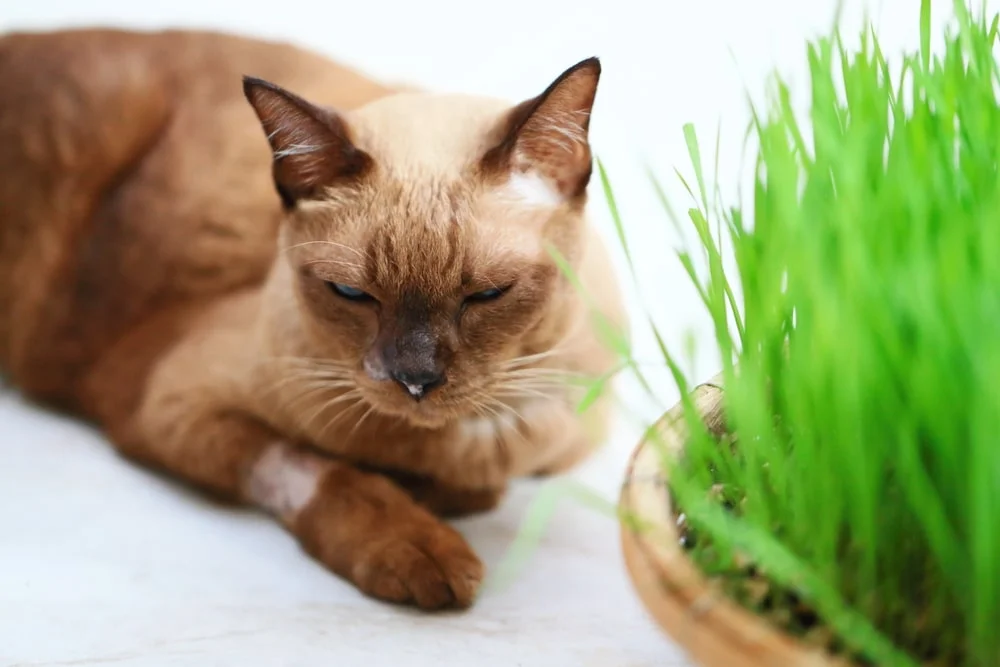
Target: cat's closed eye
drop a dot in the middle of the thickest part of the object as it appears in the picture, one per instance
(491, 294)
(349, 293)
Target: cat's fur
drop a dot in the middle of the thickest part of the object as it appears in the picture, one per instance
(166, 275)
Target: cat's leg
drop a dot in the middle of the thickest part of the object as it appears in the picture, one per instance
(359, 524)
(445, 500)
(365, 528)
(452, 502)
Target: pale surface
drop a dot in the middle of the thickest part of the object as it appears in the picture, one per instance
(103, 563)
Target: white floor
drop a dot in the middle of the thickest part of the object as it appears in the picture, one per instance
(103, 563)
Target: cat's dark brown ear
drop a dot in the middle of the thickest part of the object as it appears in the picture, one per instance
(549, 134)
(312, 146)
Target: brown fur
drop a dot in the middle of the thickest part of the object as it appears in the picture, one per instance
(168, 277)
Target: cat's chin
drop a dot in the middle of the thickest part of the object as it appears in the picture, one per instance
(433, 412)
(424, 415)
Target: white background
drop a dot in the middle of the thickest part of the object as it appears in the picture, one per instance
(102, 563)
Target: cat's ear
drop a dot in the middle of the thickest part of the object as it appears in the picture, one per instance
(312, 146)
(548, 136)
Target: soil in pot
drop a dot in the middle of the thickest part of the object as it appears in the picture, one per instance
(743, 582)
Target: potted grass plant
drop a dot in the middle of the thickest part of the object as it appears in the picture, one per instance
(833, 495)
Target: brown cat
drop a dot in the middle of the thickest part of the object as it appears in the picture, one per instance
(350, 319)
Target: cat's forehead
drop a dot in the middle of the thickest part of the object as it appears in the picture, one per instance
(413, 135)
(433, 235)
(425, 222)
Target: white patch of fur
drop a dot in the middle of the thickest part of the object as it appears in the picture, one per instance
(530, 189)
(284, 481)
(481, 428)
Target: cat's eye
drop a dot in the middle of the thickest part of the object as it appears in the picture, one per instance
(348, 292)
(491, 294)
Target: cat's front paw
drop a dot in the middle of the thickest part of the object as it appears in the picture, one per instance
(428, 565)
(368, 530)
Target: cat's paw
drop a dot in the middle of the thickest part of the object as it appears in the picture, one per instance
(367, 529)
(430, 566)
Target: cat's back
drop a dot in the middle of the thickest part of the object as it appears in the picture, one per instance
(132, 174)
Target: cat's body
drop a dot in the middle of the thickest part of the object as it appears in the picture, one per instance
(154, 282)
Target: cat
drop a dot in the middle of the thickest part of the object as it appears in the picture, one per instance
(290, 286)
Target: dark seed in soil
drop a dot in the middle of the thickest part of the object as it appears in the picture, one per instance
(806, 617)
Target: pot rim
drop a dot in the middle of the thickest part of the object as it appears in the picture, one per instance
(712, 628)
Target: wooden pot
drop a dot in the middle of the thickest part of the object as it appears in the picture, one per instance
(713, 630)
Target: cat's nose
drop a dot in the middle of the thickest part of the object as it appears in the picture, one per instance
(419, 383)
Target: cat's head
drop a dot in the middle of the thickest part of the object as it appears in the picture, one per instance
(419, 232)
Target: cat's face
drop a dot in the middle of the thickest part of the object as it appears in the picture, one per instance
(419, 233)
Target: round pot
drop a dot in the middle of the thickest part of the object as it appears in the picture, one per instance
(713, 630)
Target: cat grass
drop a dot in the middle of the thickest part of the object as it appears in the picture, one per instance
(861, 360)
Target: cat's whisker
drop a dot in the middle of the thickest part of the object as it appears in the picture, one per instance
(291, 372)
(326, 405)
(489, 408)
(500, 441)
(541, 385)
(538, 382)
(482, 406)
(522, 393)
(270, 390)
(547, 377)
(368, 412)
(350, 265)
(308, 380)
(317, 362)
(551, 378)
(353, 399)
(308, 389)
(542, 370)
(520, 362)
(527, 360)
(477, 407)
(309, 367)
(326, 381)
(304, 384)
(508, 408)
(304, 399)
(542, 373)
(522, 428)
(356, 251)
(308, 398)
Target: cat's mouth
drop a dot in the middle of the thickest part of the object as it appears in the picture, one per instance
(424, 414)
(421, 408)
(416, 407)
